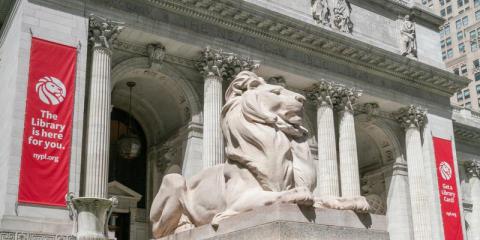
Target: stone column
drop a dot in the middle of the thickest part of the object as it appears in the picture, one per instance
(93, 211)
(324, 95)
(217, 66)
(102, 33)
(347, 144)
(473, 173)
(412, 120)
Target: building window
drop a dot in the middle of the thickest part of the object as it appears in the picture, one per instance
(442, 12)
(461, 47)
(449, 9)
(476, 3)
(474, 46)
(477, 15)
(450, 53)
(477, 76)
(460, 36)
(459, 96)
(456, 71)
(442, 2)
(465, 21)
(478, 89)
(466, 94)
(468, 105)
(479, 102)
(463, 69)
(444, 55)
(446, 29)
(458, 23)
(448, 41)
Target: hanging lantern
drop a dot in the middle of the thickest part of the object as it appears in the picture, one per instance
(129, 145)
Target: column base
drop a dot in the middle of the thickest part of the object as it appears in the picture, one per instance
(91, 216)
(357, 204)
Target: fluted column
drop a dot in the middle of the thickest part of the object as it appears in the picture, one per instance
(217, 66)
(473, 173)
(102, 32)
(347, 145)
(324, 95)
(412, 120)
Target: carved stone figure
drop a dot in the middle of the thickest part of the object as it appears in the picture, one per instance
(321, 12)
(102, 32)
(268, 161)
(341, 16)
(156, 54)
(408, 38)
(373, 188)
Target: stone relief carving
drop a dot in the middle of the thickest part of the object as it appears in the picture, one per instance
(103, 31)
(268, 161)
(472, 168)
(156, 54)
(4, 235)
(222, 64)
(374, 190)
(324, 93)
(411, 116)
(321, 12)
(341, 16)
(408, 38)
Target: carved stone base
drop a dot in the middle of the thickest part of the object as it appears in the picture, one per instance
(92, 216)
(282, 222)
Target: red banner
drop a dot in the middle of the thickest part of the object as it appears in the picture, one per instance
(47, 133)
(447, 183)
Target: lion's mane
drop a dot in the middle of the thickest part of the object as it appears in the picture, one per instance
(254, 136)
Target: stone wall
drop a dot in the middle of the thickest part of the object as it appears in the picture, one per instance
(58, 26)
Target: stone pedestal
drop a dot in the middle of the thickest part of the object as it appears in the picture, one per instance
(92, 216)
(282, 222)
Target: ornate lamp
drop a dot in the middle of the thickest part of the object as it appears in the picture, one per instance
(129, 145)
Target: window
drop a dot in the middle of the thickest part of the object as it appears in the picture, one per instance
(465, 21)
(461, 47)
(456, 71)
(442, 43)
(476, 63)
(442, 12)
(460, 36)
(448, 41)
(459, 96)
(474, 46)
(476, 3)
(479, 102)
(478, 89)
(473, 35)
(449, 10)
(477, 76)
(460, 3)
(446, 29)
(458, 24)
(468, 105)
(477, 15)
(450, 53)
(463, 69)
(442, 2)
(444, 55)
(466, 94)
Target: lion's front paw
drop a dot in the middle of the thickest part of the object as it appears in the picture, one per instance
(301, 196)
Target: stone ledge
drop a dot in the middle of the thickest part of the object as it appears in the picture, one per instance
(292, 222)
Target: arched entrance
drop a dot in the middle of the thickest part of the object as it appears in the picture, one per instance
(165, 107)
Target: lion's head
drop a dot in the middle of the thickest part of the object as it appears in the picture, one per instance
(50, 90)
(262, 125)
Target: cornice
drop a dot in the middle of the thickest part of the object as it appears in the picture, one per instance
(466, 134)
(314, 40)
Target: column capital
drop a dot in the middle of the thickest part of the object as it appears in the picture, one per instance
(472, 168)
(324, 93)
(103, 31)
(347, 98)
(217, 63)
(411, 117)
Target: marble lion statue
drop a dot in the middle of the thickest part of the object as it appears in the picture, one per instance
(268, 161)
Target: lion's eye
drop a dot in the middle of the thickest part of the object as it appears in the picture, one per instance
(276, 91)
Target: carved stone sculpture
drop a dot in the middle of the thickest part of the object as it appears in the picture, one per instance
(103, 31)
(321, 12)
(341, 16)
(268, 161)
(373, 188)
(156, 54)
(408, 38)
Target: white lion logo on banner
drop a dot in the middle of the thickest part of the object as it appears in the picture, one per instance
(445, 170)
(51, 90)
